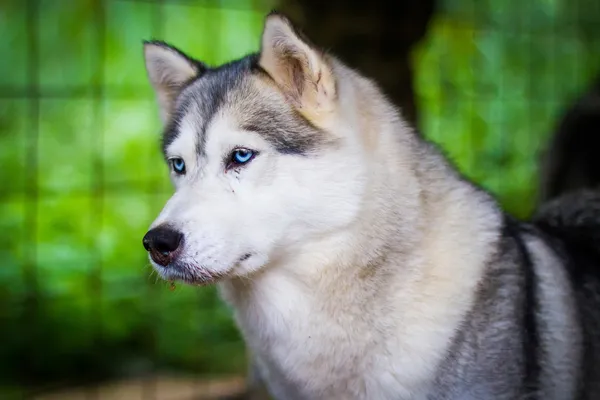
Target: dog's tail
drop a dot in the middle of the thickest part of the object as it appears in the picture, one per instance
(575, 218)
(570, 191)
(572, 161)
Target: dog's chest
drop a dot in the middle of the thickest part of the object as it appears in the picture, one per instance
(305, 352)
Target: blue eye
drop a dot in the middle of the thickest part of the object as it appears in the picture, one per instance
(178, 165)
(242, 156)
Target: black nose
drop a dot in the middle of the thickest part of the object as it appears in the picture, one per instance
(162, 243)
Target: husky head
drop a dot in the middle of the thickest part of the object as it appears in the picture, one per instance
(263, 154)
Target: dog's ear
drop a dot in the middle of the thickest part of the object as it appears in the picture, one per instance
(169, 70)
(302, 72)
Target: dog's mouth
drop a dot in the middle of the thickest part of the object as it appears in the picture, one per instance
(194, 275)
(188, 274)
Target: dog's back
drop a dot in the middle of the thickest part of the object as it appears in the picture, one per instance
(571, 225)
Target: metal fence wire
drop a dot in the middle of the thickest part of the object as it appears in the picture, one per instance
(82, 176)
(76, 303)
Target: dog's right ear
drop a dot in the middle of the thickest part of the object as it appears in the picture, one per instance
(169, 70)
(302, 71)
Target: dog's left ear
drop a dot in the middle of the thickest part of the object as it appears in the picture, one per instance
(169, 70)
(302, 72)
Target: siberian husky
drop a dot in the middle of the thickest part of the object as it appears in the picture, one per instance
(358, 262)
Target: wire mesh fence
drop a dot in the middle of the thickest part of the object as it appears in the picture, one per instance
(82, 175)
(83, 178)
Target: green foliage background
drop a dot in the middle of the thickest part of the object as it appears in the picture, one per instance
(82, 177)
(494, 76)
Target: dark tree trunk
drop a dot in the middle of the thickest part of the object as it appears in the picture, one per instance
(373, 36)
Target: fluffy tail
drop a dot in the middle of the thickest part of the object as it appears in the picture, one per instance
(570, 192)
(575, 218)
(572, 161)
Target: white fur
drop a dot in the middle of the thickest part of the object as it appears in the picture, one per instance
(275, 202)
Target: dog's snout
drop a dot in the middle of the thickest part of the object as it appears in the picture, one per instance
(162, 243)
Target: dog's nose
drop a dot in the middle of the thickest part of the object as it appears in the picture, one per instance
(162, 242)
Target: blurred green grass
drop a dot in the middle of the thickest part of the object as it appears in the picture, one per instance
(82, 175)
